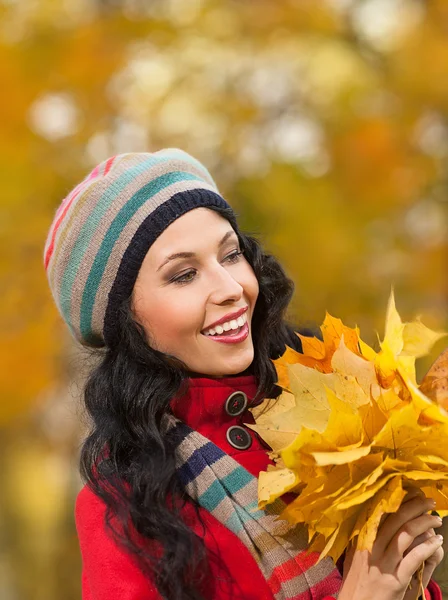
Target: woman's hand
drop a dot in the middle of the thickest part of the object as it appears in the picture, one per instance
(405, 540)
(429, 565)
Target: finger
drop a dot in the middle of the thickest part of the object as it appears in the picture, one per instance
(406, 535)
(420, 539)
(433, 561)
(410, 563)
(424, 536)
(407, 511)
(430, 564)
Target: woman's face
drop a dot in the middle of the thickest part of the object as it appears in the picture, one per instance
(192, 277)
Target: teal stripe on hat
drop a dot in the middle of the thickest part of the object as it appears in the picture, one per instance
(112, 235)
(88, 229)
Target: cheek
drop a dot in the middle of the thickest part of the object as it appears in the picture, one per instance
(171, 318)
(250, 284)
(256, 288)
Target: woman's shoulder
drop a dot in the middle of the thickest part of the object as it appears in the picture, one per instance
(90, 511)
(87, 502)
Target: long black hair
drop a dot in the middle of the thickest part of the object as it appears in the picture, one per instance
(128, 459)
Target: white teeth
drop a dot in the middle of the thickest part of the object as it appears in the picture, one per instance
(227, 326)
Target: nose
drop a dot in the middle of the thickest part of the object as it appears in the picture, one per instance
(226, 289)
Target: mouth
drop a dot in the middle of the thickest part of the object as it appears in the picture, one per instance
(228, 327)
(230, 332)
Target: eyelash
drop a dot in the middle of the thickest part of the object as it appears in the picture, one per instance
(234, 257)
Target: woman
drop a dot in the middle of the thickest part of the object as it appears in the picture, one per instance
(147, 265)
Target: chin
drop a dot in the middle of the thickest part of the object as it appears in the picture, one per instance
(233, 368)
(238, 363)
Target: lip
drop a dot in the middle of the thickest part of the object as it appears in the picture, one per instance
(228, 317)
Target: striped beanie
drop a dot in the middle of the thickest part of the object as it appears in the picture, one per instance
(103, 229)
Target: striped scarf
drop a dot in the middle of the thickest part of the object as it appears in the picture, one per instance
(229, 492)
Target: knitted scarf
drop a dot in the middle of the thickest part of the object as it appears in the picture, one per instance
(229, 492)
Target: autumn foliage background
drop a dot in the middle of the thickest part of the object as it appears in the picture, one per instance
(324, 123)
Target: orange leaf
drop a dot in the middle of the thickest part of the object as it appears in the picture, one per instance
(333, 329)
(318, 354)
(312, 346)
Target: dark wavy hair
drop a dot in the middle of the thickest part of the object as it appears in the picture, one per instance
(128, 459)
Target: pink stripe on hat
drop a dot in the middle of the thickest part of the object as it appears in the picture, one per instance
(62, 211)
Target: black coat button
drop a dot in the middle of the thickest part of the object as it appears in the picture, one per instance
(236, 404)
(238, 437)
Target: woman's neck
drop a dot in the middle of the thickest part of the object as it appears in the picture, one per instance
(193, 375)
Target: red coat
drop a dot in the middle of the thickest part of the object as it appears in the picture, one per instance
(109, 573)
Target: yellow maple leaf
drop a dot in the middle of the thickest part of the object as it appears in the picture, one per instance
(344, 428)
(387, 500)
(271, 425)
(419, 339)
(373, 418)
(348, 363)
(272, 484)
(393, 336)
(366, 351)
(313, 409)
(347, 388)
(402, 344)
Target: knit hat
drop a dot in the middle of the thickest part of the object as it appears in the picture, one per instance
(103, 229)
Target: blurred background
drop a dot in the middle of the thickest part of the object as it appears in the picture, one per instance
(325, 125)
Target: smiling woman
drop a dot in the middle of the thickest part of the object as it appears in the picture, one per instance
(149, 269)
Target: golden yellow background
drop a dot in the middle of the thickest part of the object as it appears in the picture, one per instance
(324, 123)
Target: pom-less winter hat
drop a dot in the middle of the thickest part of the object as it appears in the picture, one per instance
(103, 229)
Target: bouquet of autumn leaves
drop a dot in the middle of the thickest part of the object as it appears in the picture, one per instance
(352, 431)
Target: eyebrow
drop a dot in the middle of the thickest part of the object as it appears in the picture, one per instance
(191, 254)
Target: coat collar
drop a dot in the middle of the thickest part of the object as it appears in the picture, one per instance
(203, 402)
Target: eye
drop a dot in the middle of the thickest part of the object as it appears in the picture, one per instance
(184, 278)
(234, 256)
